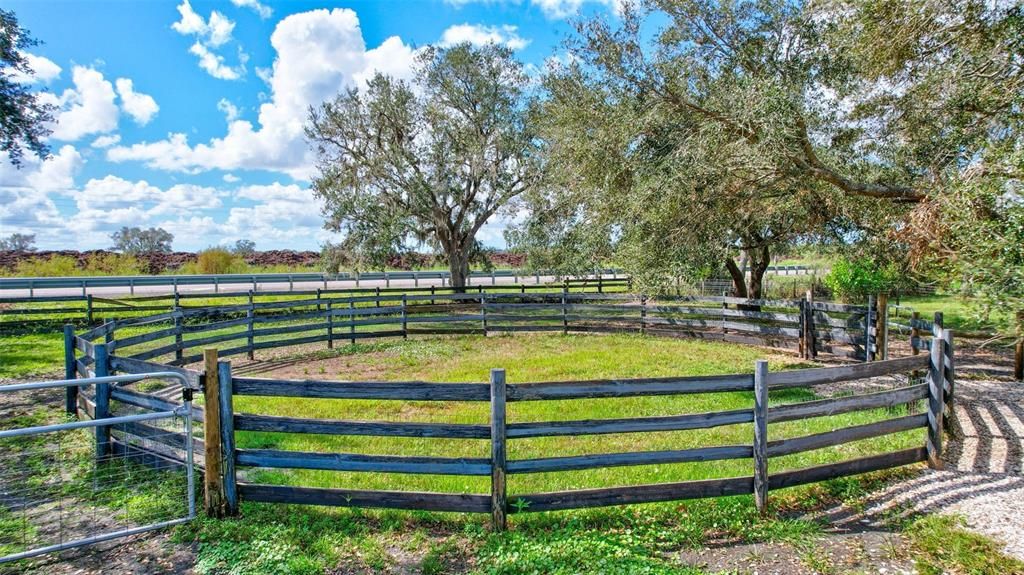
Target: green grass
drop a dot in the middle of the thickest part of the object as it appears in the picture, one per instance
(943, 545)
(959, 313)
(31, 354)
(542, 358)
(636, 539)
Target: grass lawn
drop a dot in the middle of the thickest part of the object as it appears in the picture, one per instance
(541, 358)
(636, 539)
(958, 313)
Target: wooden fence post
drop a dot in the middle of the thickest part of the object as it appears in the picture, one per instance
(178, 336)
(810, 343)
(761, 435)
(498, 450)
(213, 450)
(405, 319)
(565, 310)
(352, 320)
(88, 310)
(643, 314)
(802, 345)
(250, 315)
(936, 396)
(948, 374)
(1018, 355)
(330, 324)
(869, 339)
(70, 370)
(227, 436)
(101, 367)
(915, 333)
(881, 326)
(483, 311)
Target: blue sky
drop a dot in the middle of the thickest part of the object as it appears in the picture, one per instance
(188, 115)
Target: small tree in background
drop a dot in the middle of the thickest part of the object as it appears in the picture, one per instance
(432, 164)
(23, 117)
(215, 261)
(19, 243)
(244, 248)
(140, 241)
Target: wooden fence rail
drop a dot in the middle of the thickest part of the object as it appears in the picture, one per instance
(99, 353)
(838, 331)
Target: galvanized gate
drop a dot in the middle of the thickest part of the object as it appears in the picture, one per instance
(67, 482)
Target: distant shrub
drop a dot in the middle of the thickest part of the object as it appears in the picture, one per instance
(108, 264)
(215, 261)
(334, 258)
(244, 248)
(856, 279)
(19, 243)
(54, 266)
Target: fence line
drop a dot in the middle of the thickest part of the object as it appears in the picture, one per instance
(836, 329)
(221, 385)
(96, 308)
(256, 280)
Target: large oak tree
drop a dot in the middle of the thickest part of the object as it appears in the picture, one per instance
(429, 161)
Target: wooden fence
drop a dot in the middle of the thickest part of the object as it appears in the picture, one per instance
(97, 352)
(91, 310)
(178, 337)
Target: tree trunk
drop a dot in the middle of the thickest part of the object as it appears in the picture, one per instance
(759, 260)
(458, 267)
(739, 283)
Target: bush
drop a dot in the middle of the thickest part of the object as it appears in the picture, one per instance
(113, 265)
(215, 261)
(856, 279)
(54, 266)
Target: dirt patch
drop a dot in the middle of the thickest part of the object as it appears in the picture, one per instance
(152, 553)
(852, 546)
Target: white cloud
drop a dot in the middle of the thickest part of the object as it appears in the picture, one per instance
(229, 110)
(231, 178)
(43, 70)
(25, 203)
(216, 31)
(319, 53)
(106, 141)
(554, 9)
(263, 10)
(88, 108)
(214, 64)
(53, 175)
(479, 35)
(141, 107)
(210, 33)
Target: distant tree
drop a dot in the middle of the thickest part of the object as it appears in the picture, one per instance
(244, 248)
(429, 163)
(23, 117)
(140, 241)
(19, 243)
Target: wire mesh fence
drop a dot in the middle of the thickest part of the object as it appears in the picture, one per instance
(65, 483)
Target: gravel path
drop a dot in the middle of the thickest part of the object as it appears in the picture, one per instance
(983, 479)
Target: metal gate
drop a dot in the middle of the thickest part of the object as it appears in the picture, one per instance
(67, 482)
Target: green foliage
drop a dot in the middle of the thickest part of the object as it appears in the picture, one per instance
(215, 261)
(26, 117)
(18, 243)
(854, 279)
(244, 248)
(140, 241)
(54, 266)
(944, 546)
(108, 264)
(430, 164)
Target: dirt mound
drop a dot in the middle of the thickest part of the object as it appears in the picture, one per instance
(157, 263)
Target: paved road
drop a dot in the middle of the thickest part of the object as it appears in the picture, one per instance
(114, 291)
